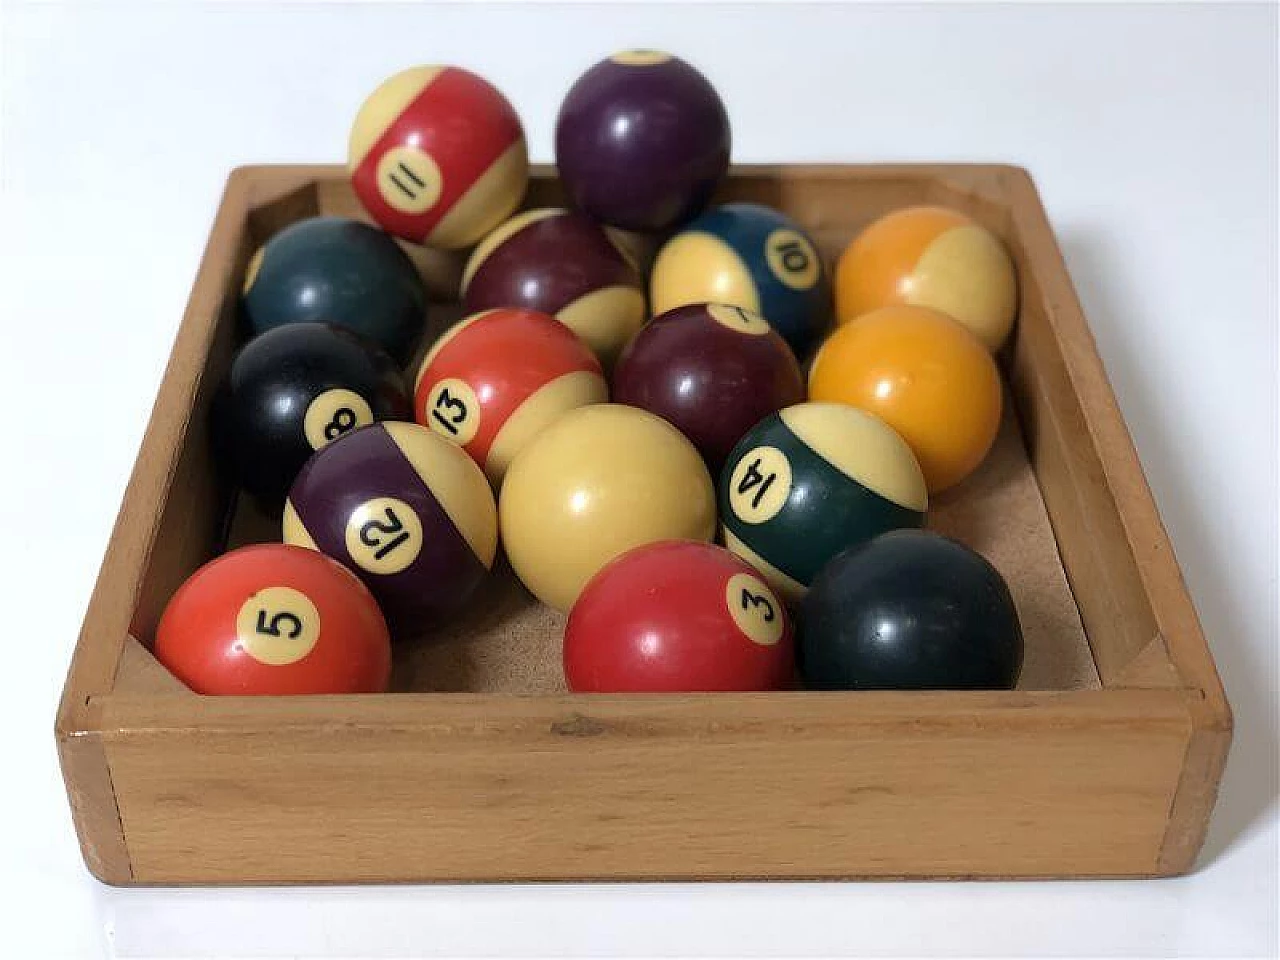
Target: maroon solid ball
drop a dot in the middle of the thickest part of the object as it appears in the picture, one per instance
(711, 370)
(642, 140)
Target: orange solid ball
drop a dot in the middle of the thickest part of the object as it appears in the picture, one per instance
(926, 376)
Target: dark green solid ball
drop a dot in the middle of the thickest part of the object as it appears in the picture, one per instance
(341, 271)
(909, 610)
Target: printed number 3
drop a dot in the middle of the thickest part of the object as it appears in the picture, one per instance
(751, 600)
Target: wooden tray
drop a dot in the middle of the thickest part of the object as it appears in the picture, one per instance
(478, 766)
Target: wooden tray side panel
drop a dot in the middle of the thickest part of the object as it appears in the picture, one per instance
(467, 788)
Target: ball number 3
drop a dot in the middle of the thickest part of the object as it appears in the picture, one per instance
(751, 600)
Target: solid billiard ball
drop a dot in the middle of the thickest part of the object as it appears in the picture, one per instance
(437, 156)
(495, 379)
(274, 619)
(294, 389)
(335, 270)
(711, 370)
(751, 256)
(600, 480)
(910, 610)
(677, 616)
(409, 512)
(642, 140)
(930, 257)
(564, 264)
(926, 376)
(809, 481)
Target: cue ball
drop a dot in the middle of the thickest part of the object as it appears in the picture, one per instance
(677, 616)
(910, 610)
(809, 481)
(564, 264)
(496, 379)
(406, 510)
(600, 480)
(926, 376)
(274, 619)
(335, 270)
(930, 257)
(642, 140)
(751, 256)
(437, 156)
(711, 370)
(294, 389)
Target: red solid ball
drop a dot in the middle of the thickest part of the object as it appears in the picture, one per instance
(275, 619)
(712, 371)
(677, 616)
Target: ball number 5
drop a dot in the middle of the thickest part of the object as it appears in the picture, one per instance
(271, 628)
(372, 531)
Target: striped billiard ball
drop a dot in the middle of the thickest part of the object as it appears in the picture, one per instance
(930, 257)
(409, 512)
(753, 257)
(810, 481)
(437, 156)
(494, 380)
(564, 264)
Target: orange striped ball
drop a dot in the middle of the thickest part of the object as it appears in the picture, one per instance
(930, 257)
(495, 379)
(437, 156)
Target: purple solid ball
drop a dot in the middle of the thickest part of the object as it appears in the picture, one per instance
(710, 370)
(642, 140)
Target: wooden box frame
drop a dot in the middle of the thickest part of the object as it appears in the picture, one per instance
(168, 787)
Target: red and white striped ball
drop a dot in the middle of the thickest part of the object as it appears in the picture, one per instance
(494, 380)
(437, 156)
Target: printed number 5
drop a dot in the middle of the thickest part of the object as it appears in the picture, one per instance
(272, 628)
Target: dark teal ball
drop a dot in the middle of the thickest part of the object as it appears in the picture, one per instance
(340, 271)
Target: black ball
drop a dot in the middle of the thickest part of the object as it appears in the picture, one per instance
(292, 390)
(337, 270)
(909, 610)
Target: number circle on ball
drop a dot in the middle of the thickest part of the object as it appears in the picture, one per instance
(792, 259)
(640, 58)
(760, 485)
(334, 413)
(278, 625)
(409, 180)
(736, 318)
(755, 609)
(384, 535)
(453, 410)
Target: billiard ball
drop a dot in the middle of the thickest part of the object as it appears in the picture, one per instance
(811, 480)
(751, 256)
(711, 370)
(564, 264)
(910, 610)
(409, 512)
(437, 156)
(642, 140)
(600, 480)
(926, 376)
(335, 270)
(930, 257)
(274, 619)
(497, 378)
(677, 616)
(294, 389)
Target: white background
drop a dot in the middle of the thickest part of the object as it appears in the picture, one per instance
(1151, 131)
